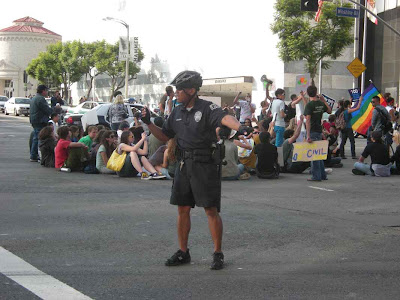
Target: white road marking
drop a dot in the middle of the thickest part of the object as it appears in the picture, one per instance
(319, 188)
(34, 280)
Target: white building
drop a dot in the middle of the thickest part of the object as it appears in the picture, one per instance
(19, 44)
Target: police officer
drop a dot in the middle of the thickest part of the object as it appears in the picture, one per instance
(197, 180)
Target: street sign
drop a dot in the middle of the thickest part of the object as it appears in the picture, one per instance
(356, 67)
(347, 12)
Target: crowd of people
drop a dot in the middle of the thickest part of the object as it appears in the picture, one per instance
(72, 148)
(197, 143)
(282, 125)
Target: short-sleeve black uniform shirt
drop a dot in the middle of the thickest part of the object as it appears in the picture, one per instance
(194, 128)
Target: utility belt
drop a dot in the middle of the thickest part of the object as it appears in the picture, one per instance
(214, 155)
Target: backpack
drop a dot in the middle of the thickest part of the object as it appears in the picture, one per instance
(387, 124)
(340, 122)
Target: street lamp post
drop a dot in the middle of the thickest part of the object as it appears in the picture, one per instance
(127, 59)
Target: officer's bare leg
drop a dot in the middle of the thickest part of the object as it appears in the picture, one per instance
(183, 226)
(135, 161)
(215, 225)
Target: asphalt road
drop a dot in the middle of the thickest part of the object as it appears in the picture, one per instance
(108, 237)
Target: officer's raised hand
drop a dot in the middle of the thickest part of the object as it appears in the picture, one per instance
(146, 115)
(245, 130)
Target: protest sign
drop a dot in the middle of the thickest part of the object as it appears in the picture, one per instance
(304, 151)
(355, 94)
(331, 102)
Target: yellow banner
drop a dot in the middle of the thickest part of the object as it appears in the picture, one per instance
(304, 151)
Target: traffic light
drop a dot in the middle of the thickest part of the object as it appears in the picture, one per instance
(309, 5)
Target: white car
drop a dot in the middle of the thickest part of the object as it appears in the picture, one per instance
(99, 115)
(3, 100)
(83, 107)
(17, 106)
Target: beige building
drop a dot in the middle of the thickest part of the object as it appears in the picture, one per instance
(19, 44)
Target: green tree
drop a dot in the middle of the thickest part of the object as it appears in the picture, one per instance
(106, 61)
(300, 36)
(61, 63)
(90, 56)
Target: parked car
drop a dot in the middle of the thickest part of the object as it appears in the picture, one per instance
(3, 100)
(99, 115)
(17, 106)
(84, 107)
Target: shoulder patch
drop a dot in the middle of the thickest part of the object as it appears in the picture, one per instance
(213, 106)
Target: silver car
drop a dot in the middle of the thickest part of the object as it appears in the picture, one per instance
(3, 100)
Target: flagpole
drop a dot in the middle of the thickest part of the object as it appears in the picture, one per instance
(320, 71)
(364, 51)
(356, 44)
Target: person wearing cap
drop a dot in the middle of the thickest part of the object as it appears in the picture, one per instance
(197, 178)
(38, 117)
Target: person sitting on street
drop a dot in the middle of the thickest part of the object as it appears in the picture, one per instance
(169, 163)
(137, 135)
(108, 144)
(155, 143)
(54, 118)
(76, 133)
(247, 157)
(232, 170)
(123, 126)
(287, 148)
(267, 158)
(47, 143)
(332, 160)
(88, 139)
(136, 158)
(380, 160)
(69, 154)
(396, 156)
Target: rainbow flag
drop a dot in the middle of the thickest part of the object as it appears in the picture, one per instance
(361, 119)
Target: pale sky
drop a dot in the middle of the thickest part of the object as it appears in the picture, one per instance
(221, 38)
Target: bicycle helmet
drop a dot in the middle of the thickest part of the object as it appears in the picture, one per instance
(188, 79)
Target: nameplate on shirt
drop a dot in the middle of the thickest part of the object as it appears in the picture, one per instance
(317, 150)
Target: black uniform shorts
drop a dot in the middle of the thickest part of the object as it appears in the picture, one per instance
(196, 184)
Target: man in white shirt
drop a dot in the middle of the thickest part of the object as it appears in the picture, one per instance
(299, 104)
(278, 115)
(247, 108)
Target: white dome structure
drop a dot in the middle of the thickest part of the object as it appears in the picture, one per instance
(19, 44)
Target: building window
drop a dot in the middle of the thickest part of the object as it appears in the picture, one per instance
(8, 83)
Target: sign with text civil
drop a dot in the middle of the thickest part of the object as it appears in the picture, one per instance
(356, 67)
(347, 12)
(304, 151)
